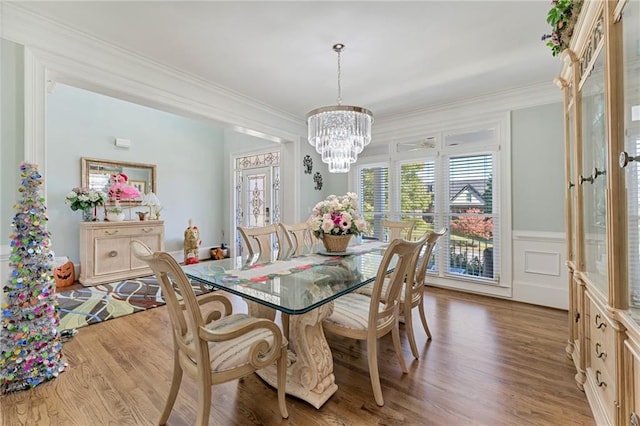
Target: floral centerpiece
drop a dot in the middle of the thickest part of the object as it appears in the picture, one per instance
(337, 216)
(86, 200)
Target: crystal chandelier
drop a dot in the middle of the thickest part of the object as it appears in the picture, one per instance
(339, 132)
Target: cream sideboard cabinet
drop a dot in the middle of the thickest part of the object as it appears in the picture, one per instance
(600, 81)
(105, 255)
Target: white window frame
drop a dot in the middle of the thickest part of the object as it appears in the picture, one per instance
(501, 150)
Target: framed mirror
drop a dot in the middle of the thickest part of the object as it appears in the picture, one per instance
(96, 174)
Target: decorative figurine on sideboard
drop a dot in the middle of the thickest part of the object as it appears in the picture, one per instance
(191, 243)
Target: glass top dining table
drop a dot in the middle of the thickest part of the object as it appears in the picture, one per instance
(293, 285)
(303, 288)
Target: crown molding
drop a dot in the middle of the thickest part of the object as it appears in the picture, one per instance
(80, 59)
(408, 126)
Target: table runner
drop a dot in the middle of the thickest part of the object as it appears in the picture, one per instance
(264, 271)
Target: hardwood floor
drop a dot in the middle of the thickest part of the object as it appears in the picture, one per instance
(491, 362)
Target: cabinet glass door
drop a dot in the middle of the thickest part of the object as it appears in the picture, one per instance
(631, 35)
(593, 179)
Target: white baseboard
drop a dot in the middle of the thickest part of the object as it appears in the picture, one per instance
(537, 294)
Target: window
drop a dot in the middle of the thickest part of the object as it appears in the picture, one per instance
(449, 183)
(470, 215)
(374, 195)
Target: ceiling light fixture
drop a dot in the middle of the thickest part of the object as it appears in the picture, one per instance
(339, 132)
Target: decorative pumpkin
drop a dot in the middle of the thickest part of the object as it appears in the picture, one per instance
(64, 275)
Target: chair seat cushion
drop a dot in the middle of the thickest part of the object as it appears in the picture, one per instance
(351, 311)
(234, 353)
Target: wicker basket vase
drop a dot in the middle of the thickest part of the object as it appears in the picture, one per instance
(336, 243)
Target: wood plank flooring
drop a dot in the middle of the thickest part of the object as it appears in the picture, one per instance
(491, 362)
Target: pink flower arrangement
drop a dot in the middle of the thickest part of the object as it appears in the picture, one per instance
(338, 216)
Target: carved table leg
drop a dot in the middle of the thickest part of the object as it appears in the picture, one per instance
(310, 368)
(260, 311)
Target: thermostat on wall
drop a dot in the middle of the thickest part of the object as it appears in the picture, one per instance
(123, 143)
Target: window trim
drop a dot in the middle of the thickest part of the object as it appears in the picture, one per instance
(501, 122)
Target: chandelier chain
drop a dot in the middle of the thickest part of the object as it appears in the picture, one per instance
(339, 76)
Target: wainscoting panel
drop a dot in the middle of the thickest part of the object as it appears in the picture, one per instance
(543, 263)
(539, 275)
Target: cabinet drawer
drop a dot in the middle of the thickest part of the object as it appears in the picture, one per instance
(127, 231)
(602, 341)
(111, 255)
(605, 388)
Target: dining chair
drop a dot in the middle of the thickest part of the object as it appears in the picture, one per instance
(414, 293)
(299, 237)
(361, 317)
(259, 240)
(397, 229)
(211, 344)
(412, 296)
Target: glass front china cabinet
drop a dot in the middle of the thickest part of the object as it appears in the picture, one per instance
(600, 81)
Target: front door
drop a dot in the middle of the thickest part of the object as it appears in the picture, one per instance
(257, 192)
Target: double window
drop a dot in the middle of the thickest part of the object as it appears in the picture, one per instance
(451, 182)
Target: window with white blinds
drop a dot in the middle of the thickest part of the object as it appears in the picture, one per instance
(471, 222)
(417, 182)
(449, 185)
(373, 190)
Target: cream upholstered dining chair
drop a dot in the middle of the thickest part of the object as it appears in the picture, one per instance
(212, 345)
(414, 293)
(259, 240)
(412, 296)
(299, 237)
(397, 229)
(361, 317)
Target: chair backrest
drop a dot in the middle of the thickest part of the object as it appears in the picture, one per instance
(407, 253)
(397, 229)
(299, 237)
(432, 240)
(185, 325)
(423, 263)
(259, 240)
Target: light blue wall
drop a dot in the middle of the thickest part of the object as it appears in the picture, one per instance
(309, 196)
(11, 130)
(537, 168)
(187, 154)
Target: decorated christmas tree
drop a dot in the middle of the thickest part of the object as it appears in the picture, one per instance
(30, 345)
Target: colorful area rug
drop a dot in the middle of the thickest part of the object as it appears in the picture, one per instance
(90, 305)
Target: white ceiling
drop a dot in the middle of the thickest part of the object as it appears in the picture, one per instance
(399, 56)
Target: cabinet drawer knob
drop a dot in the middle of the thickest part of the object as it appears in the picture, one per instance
(599, 353)
(114, 232)
(599, 323)
(146, 231)
(599, 382)
(113, 253)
